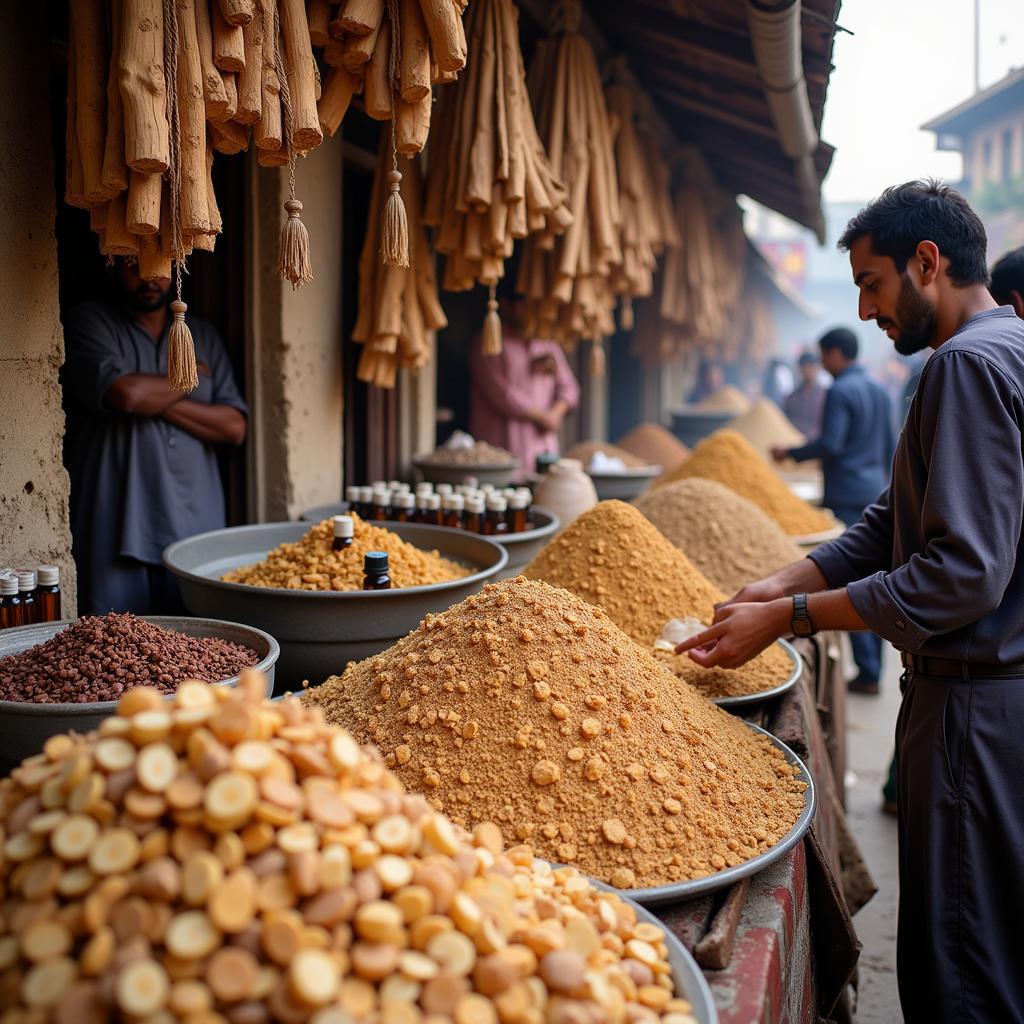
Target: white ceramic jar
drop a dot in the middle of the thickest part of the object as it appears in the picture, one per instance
(566, 490)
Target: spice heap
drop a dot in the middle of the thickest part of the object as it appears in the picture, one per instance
(526, 706)
(728, 538)
(656, 446)
(222, 859)
(766, 427)
(479, 453)
(310, 564)
(585, 450)
(725, 399)
(613, 557)
(729, 459)
(100, 657)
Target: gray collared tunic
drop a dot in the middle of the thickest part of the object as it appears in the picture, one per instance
(936, 565)
(138, 483)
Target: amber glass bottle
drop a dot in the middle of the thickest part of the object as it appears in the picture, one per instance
(344, 531)
(375, 571)
(497, 510)
(48, 592)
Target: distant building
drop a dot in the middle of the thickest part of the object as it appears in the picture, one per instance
(988, 130)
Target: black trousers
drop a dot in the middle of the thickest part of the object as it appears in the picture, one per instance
(960, 756)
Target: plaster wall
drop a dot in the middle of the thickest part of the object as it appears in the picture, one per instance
(34, 486)
(295, 358)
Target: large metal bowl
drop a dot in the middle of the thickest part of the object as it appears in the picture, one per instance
(745, 699)
(25, 727)
(692, 427)
(320, 632)
(497, 473)
(626, 484)
(659, 895)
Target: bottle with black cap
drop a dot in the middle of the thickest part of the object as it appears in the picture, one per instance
(375, 571)
(344, 531)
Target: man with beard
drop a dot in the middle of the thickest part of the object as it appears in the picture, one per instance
(934, 566)
(855, 447)
(141, 458)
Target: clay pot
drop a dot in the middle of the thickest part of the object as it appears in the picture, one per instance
(566, 490)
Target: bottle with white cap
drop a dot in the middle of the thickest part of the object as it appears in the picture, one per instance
(434, 514)
(403, 507)
(365, 501)
(475, 513)
(344, 532)
(381, 504)
(352, 497)
(10, 602)
(426, 487)
(497, 509)
(27, 593)
(454, 506)
(444, 490)
(518, 505)
(48, 592)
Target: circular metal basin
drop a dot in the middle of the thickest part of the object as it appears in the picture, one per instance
(658, 895)
(625, 484)
(692, 427)
(497, 473)
(320, 632)
(25, 726)
(755, 698)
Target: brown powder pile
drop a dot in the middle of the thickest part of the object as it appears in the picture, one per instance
(526, 706)
(613, 557)
(310, 564)
(728, 538)
(729, 459)
(584, 451)
(655, 445)
(766, 427)
(725, 399)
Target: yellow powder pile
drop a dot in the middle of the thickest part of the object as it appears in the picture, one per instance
(766, 427)
(725, 399)
(729, 459)
(310, 564)
(655, 445)
(728, 538)
(584, 451)
(526, 706)
(613, 557)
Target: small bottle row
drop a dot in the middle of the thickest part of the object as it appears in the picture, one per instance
(29, 596)
(486, 510)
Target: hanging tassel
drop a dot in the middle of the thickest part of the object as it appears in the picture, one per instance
(597, 361)
(394, 244)
(492, 327)
(626, 319)
(181, 352)
(294, 262)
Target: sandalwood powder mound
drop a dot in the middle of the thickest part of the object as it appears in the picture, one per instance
(613, 557)
(310, 564)
(728, 458)
(728, 538)
(526, 706)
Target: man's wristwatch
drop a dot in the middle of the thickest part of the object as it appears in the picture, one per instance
(802, 625)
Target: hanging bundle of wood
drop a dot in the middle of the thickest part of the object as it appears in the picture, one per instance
(398, 306)
(391, 51)
(698, 289)
(489, 180)
(227, 86)
(566, 279)
(648, 222)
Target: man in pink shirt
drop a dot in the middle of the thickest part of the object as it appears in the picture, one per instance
(519, 398)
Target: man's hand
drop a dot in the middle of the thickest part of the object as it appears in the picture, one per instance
(739, 632)
(544, 364)
(758, 592)
(780, 454)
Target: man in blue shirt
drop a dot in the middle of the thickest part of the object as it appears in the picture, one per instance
(142, 458)
(855, 447)
(936, 566)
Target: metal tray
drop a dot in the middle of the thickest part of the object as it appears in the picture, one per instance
(625, 484)
(659, 895)
(497, 473)
(320, 632)
(25, 726)
(756, 698)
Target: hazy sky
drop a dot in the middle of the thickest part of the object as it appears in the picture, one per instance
(907, 61)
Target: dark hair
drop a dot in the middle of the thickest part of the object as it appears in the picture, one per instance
(917, 211)
(1008, 276)
(807, 359)
(841, 338)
